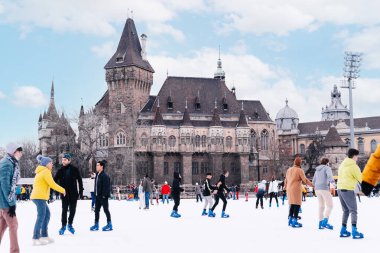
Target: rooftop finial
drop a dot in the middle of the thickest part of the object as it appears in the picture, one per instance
(242, 105)
(158, 101)
(286, 101)
(215, 103)
(186, 103)
(219, 52)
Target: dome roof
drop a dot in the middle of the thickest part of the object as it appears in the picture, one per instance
(287, 113)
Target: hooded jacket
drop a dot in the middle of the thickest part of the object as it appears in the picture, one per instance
(176, 186)
(349, 175)
(371, 172)
(323, 177)
(43, 181)
(7, 169)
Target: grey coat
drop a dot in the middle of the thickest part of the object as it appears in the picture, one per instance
(323, 177)
(147, 185)
(198, 189)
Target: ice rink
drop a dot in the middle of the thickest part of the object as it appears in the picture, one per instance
(247, 230)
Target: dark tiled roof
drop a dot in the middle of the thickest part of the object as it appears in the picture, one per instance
(333, 139)
(186, 118)
(255, 110)
(310, 127)
(129, 49)
(215, 118)
(103, 103)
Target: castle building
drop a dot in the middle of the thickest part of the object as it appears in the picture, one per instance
(192, 126)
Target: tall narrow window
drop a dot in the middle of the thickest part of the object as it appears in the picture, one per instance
(197, 141)
(204, 140)
(166, 168)
(373, 145)
(361, 145)
(172, 141)
(264, 139)
(229, 142)
(195, 168)
(120, 139)
(302, 149)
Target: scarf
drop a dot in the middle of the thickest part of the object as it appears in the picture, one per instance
(15, 178)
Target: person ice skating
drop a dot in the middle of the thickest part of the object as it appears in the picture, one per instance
(295, 176)
(198, 192)
(92, 187)
(371, 173)
(151, 195)
(9, 176)
(141, 195)
(43, 181)
(260, 194)
(246, 192)
(323, 180)
(68, 176)
(208, 191)
(118, 193)
(157, 195)
(237, 189)
(102, 193)
(273, 191)
(165, 191)
(349, 176)
(221, 187)
(176, 194)
(283, 191)
(147, 188)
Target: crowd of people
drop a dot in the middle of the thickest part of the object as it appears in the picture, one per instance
(68, 183)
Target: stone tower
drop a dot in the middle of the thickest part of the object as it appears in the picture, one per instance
(336, 110)
(129, 78)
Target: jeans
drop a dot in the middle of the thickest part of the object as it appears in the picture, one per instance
(43, 218)
(165, 196)
(147, 194)
(93, 199)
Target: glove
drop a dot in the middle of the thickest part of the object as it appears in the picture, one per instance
(366, 188)
(12, 211)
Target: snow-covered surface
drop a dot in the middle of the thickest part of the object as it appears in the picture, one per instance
(247, 230)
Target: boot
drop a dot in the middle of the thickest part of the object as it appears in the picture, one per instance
(270, 205)
(211, 213)
(224, 215)
(300, 210)
(278, 205)
(344, 232)
(70, 228)
(356, 234)
(95, 227)
(296, 224)
(321, 225)
(107, 227)
(62, 230)
(290, 219)
(39, 242)
(326, 224)
(204, 212)
(174, 214)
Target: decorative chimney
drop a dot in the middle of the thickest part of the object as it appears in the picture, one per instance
(143, 46)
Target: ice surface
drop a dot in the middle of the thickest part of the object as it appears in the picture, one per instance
(247, 230)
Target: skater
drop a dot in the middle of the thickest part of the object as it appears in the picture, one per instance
(198, 192)
(165, 191)
(102, 193)
(323, 180)
(260, 194)
(371, 173)
(246, 192)
(141, 196)
(176, 194)
(283, 190)
(118, 193)
(273, 191)
(68, 176)
(151, 195)
(147, 188)
(208, 191)
(157, 194)
(237, 189)
(349, 176)
(92, 187)
(293, 184)
(221, 187)
(43, 181)
(9, 176)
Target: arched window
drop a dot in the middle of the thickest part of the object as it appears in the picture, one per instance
(144, 139)
(204, 140)
(197, 141)
(172, 141)
(120, 139)
(361, 145)
(103, 140)
(373, 145)
(252, 139)
(302, 148)
(229, 142)
(264, 139)
(188, 139)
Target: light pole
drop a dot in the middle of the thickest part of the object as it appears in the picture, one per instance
(256, 154)
(351, 72)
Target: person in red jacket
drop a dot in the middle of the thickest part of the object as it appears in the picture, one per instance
(165, 191)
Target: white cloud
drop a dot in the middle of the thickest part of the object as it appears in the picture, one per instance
(105, 50)
(2, 95)
(29, 96)
(166, 29)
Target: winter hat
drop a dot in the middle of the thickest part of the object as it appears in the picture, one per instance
(12, 147)
(67, 156)
(44, 160)
(166, 182)
(298, 161)
(196, 183)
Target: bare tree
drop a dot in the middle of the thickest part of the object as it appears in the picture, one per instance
(313, 153)
(28, 161)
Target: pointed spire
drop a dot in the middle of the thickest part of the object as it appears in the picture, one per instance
(219, 74)
(40, 118)
(186, 104)
(242, 119)
(215, 117)
(286, 101)
(52, 111)
(44, 115)
(81, 113)
(158, 120)
(186, 117)
(333, 139)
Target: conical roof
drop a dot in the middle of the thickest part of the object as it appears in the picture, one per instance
(186, 118)
(242, 120)
(216, 118)
(333, 139)
(158, 120)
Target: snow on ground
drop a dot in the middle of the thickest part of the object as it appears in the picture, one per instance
(247, 230)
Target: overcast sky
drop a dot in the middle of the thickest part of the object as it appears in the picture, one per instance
(271, 50)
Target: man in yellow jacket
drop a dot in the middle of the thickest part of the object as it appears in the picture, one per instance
(349, 175)
(371, 172)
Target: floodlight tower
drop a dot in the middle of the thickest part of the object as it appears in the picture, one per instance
(351, 73)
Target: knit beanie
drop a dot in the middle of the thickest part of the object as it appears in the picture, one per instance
(43, 160)
(67, 156)
(298, 161)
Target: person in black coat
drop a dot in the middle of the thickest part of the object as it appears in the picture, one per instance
(176, 192)
(221, 185)
(68, 176)
(102, 191)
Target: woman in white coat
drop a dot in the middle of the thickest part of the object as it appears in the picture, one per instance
(273, 191)
(141, 196)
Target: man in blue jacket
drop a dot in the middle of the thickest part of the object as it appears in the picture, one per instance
(9, 175)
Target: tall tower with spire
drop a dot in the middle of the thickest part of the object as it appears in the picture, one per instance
(336, 110)
(219, 73)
